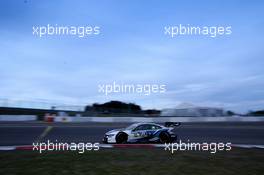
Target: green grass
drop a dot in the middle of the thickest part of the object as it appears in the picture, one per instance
(134, 162)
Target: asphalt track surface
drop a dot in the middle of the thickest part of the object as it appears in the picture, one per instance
(25, 133)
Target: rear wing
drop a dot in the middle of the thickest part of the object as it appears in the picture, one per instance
(172, 124)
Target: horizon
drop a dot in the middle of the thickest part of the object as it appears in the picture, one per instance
(225, 71)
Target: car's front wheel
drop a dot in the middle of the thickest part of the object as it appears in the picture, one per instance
(164, 137)
(121, 137)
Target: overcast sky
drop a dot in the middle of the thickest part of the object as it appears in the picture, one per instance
(225, 71)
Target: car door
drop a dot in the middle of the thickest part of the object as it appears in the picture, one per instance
(151, 130)
(142, 131)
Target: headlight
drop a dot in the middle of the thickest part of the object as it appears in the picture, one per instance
(110, 135)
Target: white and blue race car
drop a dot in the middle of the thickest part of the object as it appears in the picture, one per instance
(142, 133)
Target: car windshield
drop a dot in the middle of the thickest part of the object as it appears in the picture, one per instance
(130, 127)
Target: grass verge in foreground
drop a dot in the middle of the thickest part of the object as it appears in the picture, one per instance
(134, 162)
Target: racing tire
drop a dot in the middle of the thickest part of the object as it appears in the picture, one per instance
(121, 138)
(165, 137)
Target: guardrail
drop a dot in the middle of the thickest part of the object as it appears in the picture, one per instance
(18, 117)
(158, 119)
(132, 119)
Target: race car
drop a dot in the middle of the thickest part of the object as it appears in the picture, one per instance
(142, 133)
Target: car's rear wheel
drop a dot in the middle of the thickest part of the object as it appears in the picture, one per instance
(121, 137)
(164, 137)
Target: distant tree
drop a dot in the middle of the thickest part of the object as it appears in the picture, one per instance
(230, 113)
(256, 113)
(152, 111)
(134, 107)
(114, 106)
(88, 108)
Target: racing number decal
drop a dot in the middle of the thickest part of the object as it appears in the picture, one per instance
(148, 133)
(143, 134)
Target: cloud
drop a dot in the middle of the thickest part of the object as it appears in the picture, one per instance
(224, 71)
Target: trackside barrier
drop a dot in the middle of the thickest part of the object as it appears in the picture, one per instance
(158, 119)
(18, 117)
